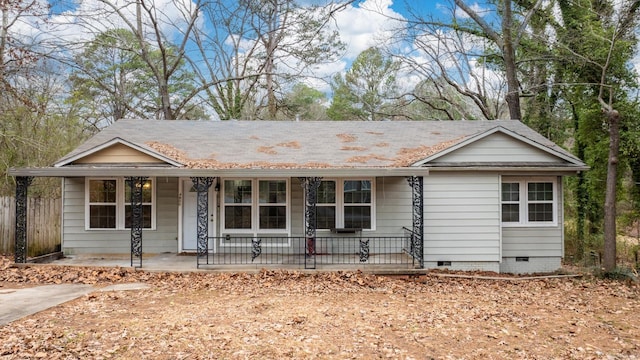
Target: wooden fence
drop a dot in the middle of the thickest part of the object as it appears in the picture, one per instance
(43, 225)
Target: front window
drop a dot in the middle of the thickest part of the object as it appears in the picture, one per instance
(237, 198)
(268, 198)
(345, 203)
(357, 204)
(273, 204)
(540, 201)
(528, 202)
(109, 204)
(102, 204)
(326, 205)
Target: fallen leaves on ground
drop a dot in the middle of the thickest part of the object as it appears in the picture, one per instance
(341, 315)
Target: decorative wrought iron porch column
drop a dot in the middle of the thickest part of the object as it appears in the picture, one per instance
(310, 186)
(135, 185)
(202, 185)
(417, 237)
(20, 252)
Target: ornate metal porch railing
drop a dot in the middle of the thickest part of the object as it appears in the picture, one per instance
(413, 246)
(294, 252)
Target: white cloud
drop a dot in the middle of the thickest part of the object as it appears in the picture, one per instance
(475, 7)
(91, 17)
(369, 24)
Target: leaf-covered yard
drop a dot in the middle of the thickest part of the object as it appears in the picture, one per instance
(276, 314)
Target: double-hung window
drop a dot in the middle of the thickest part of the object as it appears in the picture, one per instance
(345, 203)
(252, 205)
(108, 204)
(529, 202)
(103, 205)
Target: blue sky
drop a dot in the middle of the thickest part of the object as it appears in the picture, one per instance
(362, 24)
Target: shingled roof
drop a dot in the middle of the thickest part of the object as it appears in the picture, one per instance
(304, 144)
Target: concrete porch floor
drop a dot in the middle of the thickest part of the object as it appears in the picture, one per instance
(174, 262)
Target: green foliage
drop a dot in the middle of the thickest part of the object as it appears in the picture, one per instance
(34, 139)
(112, 81)
(344, 102)
(593, 52)
(619, 274)
(304, 103)
(365, 89)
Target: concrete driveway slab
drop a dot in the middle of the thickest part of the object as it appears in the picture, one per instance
(18, 303)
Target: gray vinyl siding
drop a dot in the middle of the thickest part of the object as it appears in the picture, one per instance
(78, 240)
(495, 148)
(462, 217)
(539, 241)
(297, 208)
(394, 208)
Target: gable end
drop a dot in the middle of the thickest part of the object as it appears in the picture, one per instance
(497, 147)
(119, 152)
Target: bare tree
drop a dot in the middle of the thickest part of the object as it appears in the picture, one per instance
(162, 41)
(464, 53)
(16, 52)
(453, 62)
(237, 51)
(258, 47)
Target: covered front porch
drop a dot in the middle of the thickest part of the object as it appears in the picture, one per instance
(304, 247)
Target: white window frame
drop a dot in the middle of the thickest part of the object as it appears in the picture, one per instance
(120, 204)
(524, 201)
(340, 205)
(255, 208)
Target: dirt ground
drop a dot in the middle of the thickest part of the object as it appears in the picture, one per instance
(277, 314)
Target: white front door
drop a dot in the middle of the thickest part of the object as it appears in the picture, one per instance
(190, 215)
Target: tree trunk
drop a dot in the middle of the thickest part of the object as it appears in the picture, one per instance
(609, 256)
(509, 54)
(166, 101)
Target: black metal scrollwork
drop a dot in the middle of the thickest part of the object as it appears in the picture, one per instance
(364, 250)
(22, 184)
(417, 239)
(310, 185)
(202, 185)
(256, 248)
(135, 184)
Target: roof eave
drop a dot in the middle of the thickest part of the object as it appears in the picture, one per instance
(188, 172)
(556, 169)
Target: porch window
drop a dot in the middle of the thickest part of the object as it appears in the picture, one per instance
(266, 198)
(102, 204)
(238, 203)
(529, 202)
(108, 204)
(326, 205)
(345, 203)
(273, 204)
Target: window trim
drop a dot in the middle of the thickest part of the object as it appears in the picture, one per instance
(340, 205)
(524, 201)
(119, 205)
(255, 208)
